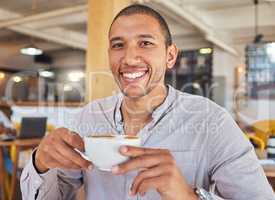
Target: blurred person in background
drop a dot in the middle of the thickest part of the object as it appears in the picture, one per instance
(6, 128)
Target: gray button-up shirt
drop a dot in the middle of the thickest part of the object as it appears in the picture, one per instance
(209, 149)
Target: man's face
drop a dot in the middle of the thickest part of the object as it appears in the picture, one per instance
(137, 54)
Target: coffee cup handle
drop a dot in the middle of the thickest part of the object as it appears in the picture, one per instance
(83, 155)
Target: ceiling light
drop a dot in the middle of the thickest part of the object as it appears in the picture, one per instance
(46, 74)
(67, 88)
(240, 70)
(2, 75)
(75, 76)
(196, 85)
(205, 51)
(17, 79)
(31, 50)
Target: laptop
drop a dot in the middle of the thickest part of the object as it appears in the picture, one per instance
(31, 127)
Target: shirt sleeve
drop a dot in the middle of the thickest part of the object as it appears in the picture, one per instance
(55, 184)
(233, 165)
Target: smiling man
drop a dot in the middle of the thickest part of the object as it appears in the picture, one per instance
(140, 57)
(191, 148)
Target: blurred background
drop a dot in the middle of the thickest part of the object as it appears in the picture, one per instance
(53, 60)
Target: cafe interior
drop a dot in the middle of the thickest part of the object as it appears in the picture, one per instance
(53, 60)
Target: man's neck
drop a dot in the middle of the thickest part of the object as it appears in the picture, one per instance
(141, 108)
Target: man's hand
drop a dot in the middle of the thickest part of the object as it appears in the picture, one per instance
(56, 150)
(158, 171)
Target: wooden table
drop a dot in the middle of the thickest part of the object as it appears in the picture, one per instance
(270, 174)
(20, 144)
(268, 169)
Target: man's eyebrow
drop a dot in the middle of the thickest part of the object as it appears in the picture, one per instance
(146, 36)
(118, 38)
(115, 39)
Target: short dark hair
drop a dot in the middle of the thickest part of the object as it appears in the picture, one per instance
(142, 9)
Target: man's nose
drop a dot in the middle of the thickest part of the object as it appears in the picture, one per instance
(131, 57)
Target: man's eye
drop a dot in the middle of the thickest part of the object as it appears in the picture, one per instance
(146, 43)
(117, 45)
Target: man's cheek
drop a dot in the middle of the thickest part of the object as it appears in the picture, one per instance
(160, 71)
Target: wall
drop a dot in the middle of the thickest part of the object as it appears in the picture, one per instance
(256, 110)
(55, 115)
(252, 110)
(223, 66)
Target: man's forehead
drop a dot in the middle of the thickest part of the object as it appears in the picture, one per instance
(136, 24)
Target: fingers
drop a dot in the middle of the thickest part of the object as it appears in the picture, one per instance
(132, 151)
(57, 149)
(71, 138)
(161, 172)
(151, 183)
(146, 174)
(58, 161)
(71, 156)
(141, 162)
(142, 158)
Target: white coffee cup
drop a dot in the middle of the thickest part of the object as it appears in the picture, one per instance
(103, 151)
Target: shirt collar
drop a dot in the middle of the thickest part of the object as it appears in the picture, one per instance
(168, 101)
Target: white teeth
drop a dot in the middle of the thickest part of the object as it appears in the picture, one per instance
(133, 75)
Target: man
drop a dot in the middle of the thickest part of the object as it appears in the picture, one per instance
(191, 148)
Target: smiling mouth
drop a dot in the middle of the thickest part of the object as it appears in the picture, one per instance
(133, 76)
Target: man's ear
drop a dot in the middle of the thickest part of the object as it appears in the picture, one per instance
(172, 53)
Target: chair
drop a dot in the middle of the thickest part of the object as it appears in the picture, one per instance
(264, 129)
(257, 140)
(15, 153)
(19, 145)
(259, 132)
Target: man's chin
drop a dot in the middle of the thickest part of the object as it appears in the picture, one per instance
(134, 94)
(134, 90)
